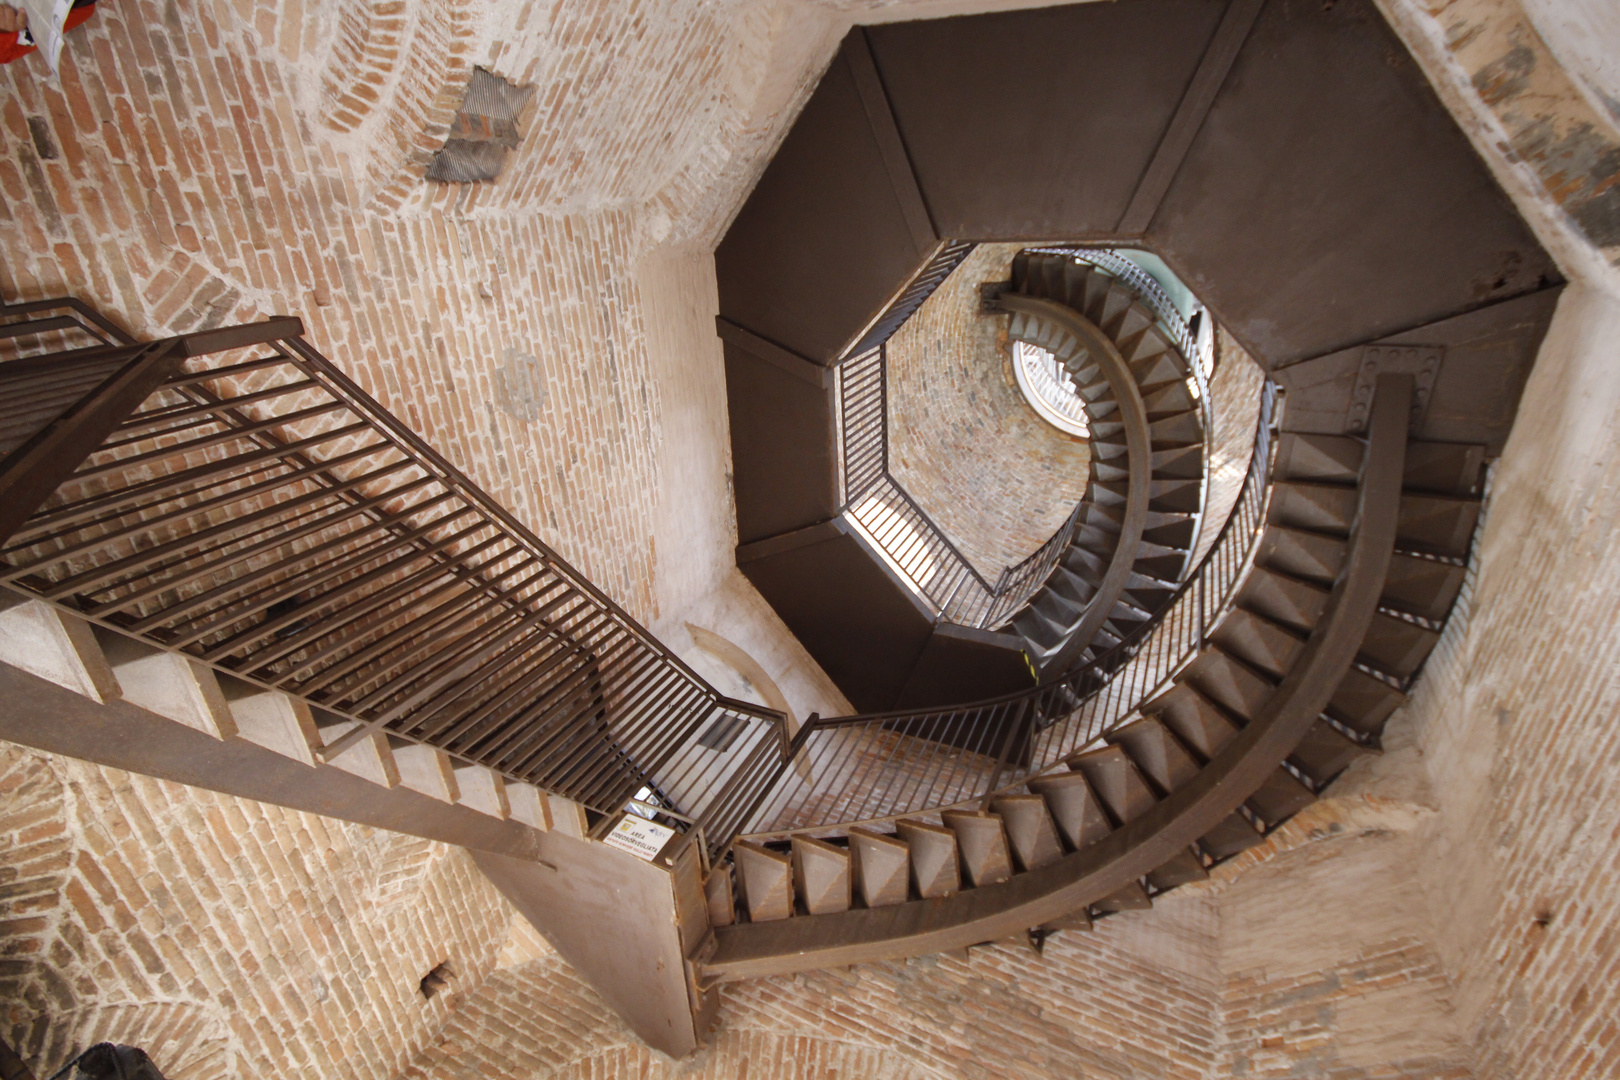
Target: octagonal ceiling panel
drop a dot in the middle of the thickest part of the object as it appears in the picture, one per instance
(1330, 199)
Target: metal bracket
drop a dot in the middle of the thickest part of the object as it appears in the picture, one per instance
(1422, 362)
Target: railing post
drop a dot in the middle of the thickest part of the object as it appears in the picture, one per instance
(1006, 750)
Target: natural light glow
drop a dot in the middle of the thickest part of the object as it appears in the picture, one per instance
(1049, 389)
(896, 539)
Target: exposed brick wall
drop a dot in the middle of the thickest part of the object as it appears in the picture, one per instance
(1112, 1004)
(1516, 726)
(226, 936)
(197, 183)
(994, 476)
(1234, 407)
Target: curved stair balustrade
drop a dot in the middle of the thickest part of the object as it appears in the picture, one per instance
(1076, 314)
(1294, 682)
(1149, 461)
(862, 770)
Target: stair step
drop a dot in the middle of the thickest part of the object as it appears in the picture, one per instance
(1071, 585)
(1087, 564)
(882, 867)
(1437, 524)
(1117, 782)
(1132, 897)
(1268, 647)
(1422, 587)
(169, 684)
(1363, 703)
(1197, 721)
(1396, 647)
(1325, 752)
(721, 896)
(1171, 397)
(1130, 327)
(1227, 682)
(767, 878)
(1186, 867)
(1104, 472)
(1443, 468)
(1167, 567)
(822, 875)
(1037, 630)
(1075, 277)
(1157, 368)
(1331, 459)
(1280, 797)
(1178, 463)
(1057, 608)
(1180, 429)
(1075, 809)
(1115, 303)
(1325, 508)
(1233, 835)
(1151, 344)
(1031, 832)
(1175, 496)
(1175, 534)
(1156, 752)
(1283, 599)
(982, 842)
(1305, 555)
(935, 868)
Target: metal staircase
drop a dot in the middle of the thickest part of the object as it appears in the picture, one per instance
(1138, 520)
(1363, 548)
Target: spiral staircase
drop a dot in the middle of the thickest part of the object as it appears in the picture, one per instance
(227, 566)
(1138, 519)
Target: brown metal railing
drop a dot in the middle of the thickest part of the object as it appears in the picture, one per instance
(913, 546)
(256, 510)
(862, 769)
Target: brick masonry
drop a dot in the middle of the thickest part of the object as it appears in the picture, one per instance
(224, 935)
(1453, 914)
(994, 476)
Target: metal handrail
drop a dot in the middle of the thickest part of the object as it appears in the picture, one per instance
(261, 513)
(880, 766)
(910, 543)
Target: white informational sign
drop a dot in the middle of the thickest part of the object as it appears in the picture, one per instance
(640, 837)
(45, 19)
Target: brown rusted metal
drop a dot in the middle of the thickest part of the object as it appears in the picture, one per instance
(247, 504)
(1162, 831)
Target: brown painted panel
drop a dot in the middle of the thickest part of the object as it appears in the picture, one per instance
(965, 665)
(1038, 124)
(782, 454)
(1486, 361)
(1330, 199)
(822, 243)
(861, 625)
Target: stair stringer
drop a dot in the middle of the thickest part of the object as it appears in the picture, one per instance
(1138, 453)
(1140, 846)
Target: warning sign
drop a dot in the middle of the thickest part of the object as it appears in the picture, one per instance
(640, 837)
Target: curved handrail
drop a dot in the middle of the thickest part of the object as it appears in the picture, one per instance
(1080, 878)
(932, 759)
(1132, 415)
(912, 545)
